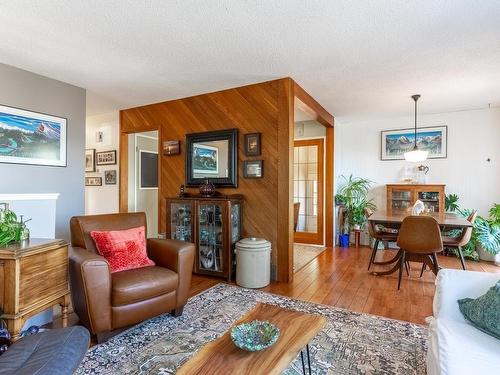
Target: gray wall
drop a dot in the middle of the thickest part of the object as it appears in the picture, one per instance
(22, 89)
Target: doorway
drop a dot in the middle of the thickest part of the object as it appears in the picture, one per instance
(143, 177)
(308, 186)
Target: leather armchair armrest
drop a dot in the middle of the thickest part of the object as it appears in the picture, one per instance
(177, 256)
(90, 280)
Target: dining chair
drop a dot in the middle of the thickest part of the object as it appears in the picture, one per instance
(296, 209)
(379, 234)
(419, 240)
(462, 240)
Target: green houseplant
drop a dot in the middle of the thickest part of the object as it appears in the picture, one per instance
(352, 196)
(10, 229)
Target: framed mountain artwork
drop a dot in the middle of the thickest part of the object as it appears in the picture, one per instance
(433, 139)
(28, 137)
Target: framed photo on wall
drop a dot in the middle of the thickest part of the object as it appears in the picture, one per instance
(93, 181)
(106, 157)
(28, 137)
(90, 160)
(434, 139)
(110, 177)
(253, 169)
(252, 144)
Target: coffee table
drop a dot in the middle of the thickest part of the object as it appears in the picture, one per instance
(221, 356)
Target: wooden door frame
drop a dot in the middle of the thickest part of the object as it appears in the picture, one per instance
(318, 237)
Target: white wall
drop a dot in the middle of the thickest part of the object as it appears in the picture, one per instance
(103, 199)
(473, 137)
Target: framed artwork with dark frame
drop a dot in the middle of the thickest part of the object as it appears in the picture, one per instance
(110, 177)
(252, 144)
(214, 156)
(253, 168)
(106, 157)
(90, 160)
(93, 181)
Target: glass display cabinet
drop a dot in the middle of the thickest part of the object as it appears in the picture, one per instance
(404, 196)
(213, 224)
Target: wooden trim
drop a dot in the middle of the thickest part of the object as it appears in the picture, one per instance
(329, 187)
(284, 271)
(309, 105)
(123, 168)
(307, 237)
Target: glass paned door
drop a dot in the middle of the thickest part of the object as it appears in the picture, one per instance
(210, 237)
(308, 191)
(181, 222)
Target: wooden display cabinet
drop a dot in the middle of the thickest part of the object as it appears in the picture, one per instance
(404, 196)
(213, 224)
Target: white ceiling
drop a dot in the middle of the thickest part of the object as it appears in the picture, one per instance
(357, 58)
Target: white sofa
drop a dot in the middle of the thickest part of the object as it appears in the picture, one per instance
(455, 346)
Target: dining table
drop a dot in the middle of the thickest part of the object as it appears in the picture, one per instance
(394, 218)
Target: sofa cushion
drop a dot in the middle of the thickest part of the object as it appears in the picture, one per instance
(123, 249)
(141, 284)
(55, 352)
(484, 311)
(459, 348)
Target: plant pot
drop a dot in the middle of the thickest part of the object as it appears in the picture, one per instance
(344, 240)
(485, 255)
(356, 227)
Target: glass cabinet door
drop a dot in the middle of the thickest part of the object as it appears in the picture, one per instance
(235, 222)
(401, 199)
(430, 199)
(181, 221)
(210, 237)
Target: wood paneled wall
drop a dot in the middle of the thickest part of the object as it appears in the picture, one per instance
(263, 108)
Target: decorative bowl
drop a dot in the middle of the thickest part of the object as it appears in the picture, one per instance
(255, 335)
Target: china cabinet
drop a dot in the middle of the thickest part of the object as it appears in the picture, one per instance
(403, 196)
(213, 224)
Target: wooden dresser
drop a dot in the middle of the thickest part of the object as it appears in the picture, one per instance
(403, 196)
(33, 278)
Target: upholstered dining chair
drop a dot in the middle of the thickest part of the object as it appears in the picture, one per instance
(380, 235)
(462, 240)
(419, 240)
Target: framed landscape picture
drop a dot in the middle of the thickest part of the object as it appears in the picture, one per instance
(252, 144)
(28, 137)
(434, 139)
(205, 159)
(253, 169)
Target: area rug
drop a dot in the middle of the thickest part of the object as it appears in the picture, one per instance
(303, 254)
(350, 343)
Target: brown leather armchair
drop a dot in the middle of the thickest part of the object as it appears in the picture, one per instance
(106, 301)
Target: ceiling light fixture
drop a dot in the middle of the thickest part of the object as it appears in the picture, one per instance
(416, 155)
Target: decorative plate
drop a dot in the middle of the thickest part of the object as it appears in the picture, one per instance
(255, 335)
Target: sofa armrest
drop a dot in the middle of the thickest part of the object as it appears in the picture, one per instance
(452, 285)
(177, 256)
(90, 280)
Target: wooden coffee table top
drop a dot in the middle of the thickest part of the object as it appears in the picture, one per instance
(223, 357)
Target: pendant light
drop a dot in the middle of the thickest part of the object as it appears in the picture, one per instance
(416, 155)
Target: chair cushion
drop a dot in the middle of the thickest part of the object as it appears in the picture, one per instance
(123, 249)
(141, 284)
(55, 352)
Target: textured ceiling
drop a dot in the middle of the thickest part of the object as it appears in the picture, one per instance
(357, 58)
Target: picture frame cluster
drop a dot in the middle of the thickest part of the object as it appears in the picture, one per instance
(253, 168)
(102, 158)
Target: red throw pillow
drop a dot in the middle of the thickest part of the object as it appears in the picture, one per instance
(123, 249)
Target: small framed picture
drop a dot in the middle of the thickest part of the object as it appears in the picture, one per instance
(171, 147)
(90, 160)
(93, 181)
(106, 157)
(253, 169)
(110, 177)
(252, 144)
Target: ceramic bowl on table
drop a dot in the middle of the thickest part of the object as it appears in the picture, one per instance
(255, 335)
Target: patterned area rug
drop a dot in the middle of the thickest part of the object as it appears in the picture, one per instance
(350, 343)
(303, 254)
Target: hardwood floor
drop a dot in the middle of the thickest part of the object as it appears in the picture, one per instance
(339, 277)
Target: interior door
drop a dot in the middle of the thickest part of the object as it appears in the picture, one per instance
(308, 190)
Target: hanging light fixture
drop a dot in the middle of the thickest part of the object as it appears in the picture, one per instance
(416, 155)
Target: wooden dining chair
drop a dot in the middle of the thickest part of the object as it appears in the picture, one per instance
(296, 209)
(462, 240)
(419, 240)
(389, 235)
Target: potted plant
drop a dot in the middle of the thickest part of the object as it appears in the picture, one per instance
(487, 236)
(352, 197)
